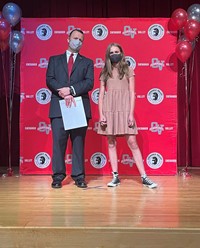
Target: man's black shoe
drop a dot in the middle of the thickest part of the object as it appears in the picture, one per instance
(81, 183)
(56, 185)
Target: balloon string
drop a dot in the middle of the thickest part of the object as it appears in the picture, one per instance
(12, 83)
(184, 74)
(190, 76)
(187, 114)
(6, 98)
(11, 94)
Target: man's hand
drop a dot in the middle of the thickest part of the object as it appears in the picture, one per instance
(63, 92)
(69, 100)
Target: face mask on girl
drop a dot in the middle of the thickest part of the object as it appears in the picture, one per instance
(115, 58)
(75, 44)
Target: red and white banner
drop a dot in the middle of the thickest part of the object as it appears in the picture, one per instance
(149, 48)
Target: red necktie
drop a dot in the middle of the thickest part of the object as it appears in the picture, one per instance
(70, 63)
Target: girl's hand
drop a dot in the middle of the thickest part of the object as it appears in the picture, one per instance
(131, 121)
(102, 120)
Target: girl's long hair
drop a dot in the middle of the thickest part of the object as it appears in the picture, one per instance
(108, 67)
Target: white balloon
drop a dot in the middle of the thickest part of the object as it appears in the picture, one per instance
(12, 13)
(194, 12)
(16, 42)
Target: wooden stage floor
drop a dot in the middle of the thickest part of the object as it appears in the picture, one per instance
(32, 214)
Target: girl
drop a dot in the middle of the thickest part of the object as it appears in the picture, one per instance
(116, 110)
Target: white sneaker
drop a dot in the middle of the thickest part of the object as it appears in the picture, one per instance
(115, 181)
(148, 183)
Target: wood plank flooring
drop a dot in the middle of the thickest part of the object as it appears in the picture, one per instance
(32, 214)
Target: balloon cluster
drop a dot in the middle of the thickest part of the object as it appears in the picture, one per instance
(9, 17)
(188, 25)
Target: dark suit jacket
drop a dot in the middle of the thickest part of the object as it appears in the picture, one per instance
(82, 79)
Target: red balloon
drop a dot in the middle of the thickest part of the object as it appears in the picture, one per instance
(171, 27)
(179, 18)
(183, 50)
(4, 29)
(191, 29)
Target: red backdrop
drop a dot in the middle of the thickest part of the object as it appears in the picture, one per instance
(149, 49)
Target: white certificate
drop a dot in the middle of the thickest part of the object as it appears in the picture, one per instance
(73, 117)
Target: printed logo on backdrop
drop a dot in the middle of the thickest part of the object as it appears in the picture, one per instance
(127, 160)
(100, 32)
(155, 96)
(43, 63)
(21, 160)
(43, 127)
(23, 31)
(131, 62)
(68, 159)
(96, 125)
(44, 32)
(22, 97)
(157, 64)
(128, 31)
(42, 160)
(95, 96)
(98, 160)
(156, 128)
(43, 96)
(154, 160)
(99, 63)
(72, 27)
(156, 32)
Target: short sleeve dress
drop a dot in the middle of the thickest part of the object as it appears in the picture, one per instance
(116, 106)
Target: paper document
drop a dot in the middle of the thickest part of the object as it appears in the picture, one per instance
(73, 117)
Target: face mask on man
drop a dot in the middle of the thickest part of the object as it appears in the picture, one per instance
(75, 44)
(115, 58)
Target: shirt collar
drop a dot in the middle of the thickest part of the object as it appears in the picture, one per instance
(69, 53)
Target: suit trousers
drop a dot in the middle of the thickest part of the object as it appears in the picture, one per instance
(60, 139)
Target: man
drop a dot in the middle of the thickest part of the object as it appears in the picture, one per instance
(65, 86)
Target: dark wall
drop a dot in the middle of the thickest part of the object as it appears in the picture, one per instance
(100, 8)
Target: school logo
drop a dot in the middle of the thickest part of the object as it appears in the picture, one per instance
(156, 32)
(44, 32)
(98, 160)
(99, 63)
(127, 160)
(156, 128)
(43, 127)
(130, 61)
(43, 96)
(21, 160)
(156, 63)
(96, 125)
(70, 28)
(42, 160)
(95, 96)
(68, 159)
(155, 96)
(43, 63)
(128, 31)
(22, 97)
(99, 32)
(154, 160)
